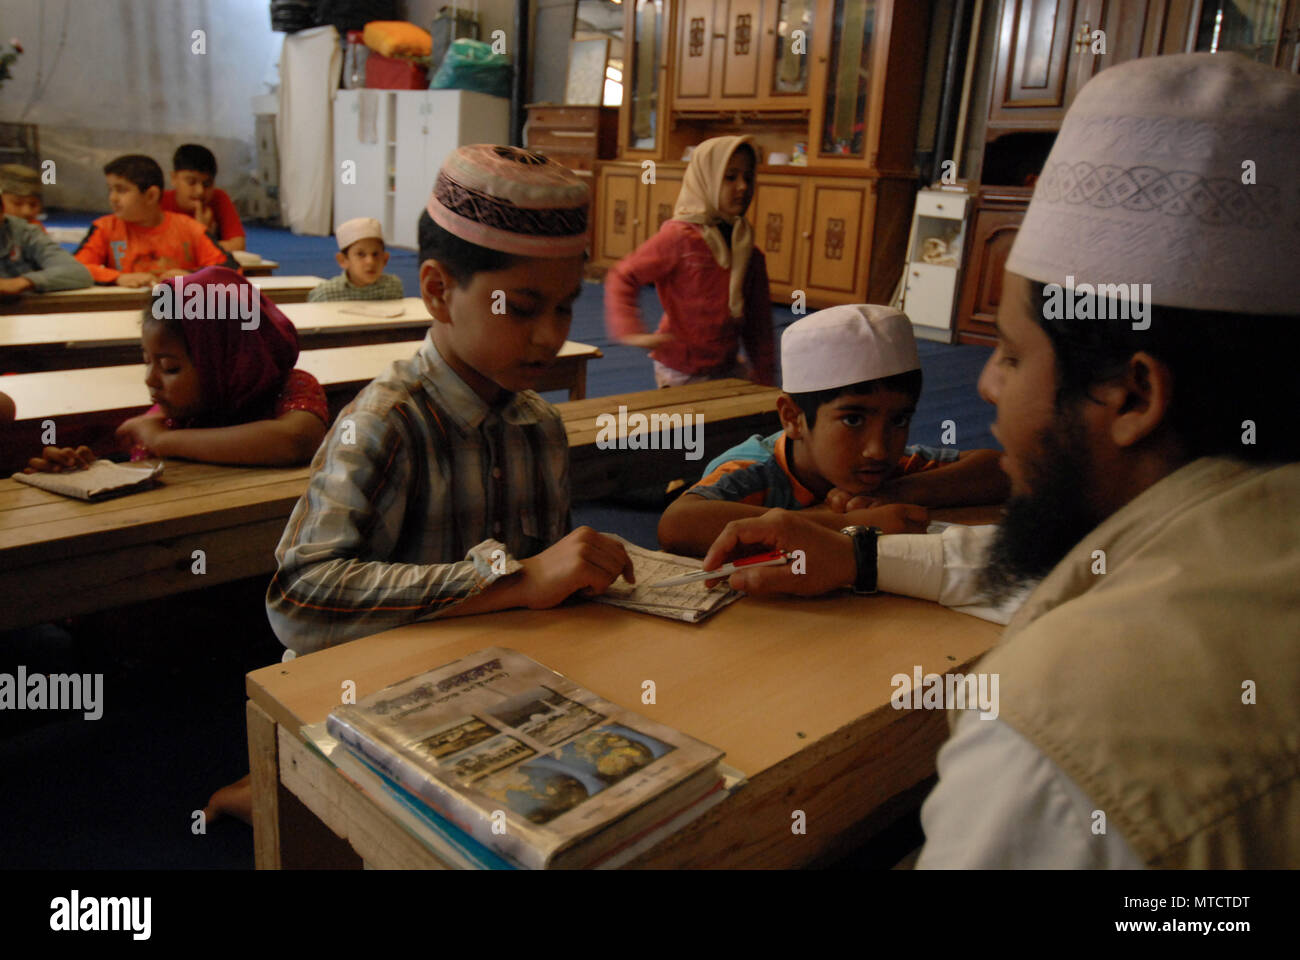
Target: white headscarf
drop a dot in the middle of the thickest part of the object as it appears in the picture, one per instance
(698, 203)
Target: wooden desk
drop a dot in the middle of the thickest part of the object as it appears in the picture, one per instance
(34, 342)
(279, 289)
(140, 547)
(797, 692)
(87, 405)
(263, 269)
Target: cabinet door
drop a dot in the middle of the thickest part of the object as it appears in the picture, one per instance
(660, 199)
(743, 28)
(414, 171)
(619, 214)
(991, 238)
(695, 51)
(787, 44)
(836, 264)
(361, 134)
(1288, 52)
(1035, 43)
(774, 216)
(845, 56)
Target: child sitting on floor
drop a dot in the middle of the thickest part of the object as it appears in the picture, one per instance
(711, 280)
(140, 243)
(363, 258)
(225, 388)
(852, 378)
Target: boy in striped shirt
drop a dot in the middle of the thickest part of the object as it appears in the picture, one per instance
(443, 489)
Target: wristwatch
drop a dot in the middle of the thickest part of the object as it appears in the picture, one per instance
(864, 553)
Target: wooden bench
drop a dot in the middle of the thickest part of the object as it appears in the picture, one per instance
(292, 289)
(40, 341)
(62, 557)
(263, 269)
(86, 406)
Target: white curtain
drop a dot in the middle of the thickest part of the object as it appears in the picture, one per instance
(310, 64)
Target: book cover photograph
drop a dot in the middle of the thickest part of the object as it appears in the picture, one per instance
(497, 734)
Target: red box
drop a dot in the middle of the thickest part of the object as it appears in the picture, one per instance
(393, 73)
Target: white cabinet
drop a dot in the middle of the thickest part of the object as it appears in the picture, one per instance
(389, 144)
(430, 125)
(933, 261)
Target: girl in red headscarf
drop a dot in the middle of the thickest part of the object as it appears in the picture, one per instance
(225, 389)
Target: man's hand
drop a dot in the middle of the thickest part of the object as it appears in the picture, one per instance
(584, 561)
(12, 286)
(60, 460)
(135, 280)
(142, 431)
(828, 560)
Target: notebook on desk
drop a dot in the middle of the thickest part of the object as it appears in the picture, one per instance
(101, 480)
(691, 602)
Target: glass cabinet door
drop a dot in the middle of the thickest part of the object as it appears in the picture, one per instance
(848, 79)
(790, 71)
(641, 74)
(1248, 27)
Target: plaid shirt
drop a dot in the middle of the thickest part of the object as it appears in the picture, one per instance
(418, 482)
(387, 287)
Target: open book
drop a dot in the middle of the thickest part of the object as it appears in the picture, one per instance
(691, 602)
(101, 480)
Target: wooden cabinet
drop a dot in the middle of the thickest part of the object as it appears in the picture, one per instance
(774, 215)
(630, 211)
(1035, 41)
(837, 248)
(743, 55)
(998, 215)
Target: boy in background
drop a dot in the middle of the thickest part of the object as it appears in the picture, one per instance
(851, 377)
(363, 257)
(140, 243)
(193, 193)
(443, 489)
(31, 260)
(20, 189)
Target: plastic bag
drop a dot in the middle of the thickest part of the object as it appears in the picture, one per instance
(471, 65)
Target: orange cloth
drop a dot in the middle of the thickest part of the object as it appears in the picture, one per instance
(113, 247)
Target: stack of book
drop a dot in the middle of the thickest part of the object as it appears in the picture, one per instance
(496, 762)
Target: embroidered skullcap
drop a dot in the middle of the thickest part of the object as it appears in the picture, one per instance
(358, 228)
(1176, 171)
(511, 200)
(19, 179)
(844, 345)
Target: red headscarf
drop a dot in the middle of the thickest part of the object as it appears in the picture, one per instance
(241, 372)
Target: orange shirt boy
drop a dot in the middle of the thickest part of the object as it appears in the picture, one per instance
(139, 243)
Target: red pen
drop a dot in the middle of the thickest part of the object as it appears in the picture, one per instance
(772, 559)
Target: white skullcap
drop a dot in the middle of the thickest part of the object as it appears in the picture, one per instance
(1144, 184)
(358, 228)
(845, 345)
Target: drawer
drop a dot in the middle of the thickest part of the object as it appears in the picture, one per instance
(574, 161)
(950, 206)
(578, 141)
(557, 116)
(929, 294)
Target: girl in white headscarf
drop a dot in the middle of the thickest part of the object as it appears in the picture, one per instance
(711, 280)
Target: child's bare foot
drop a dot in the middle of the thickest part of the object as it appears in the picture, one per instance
(235, 799)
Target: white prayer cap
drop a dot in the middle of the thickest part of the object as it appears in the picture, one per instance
(358, 228)
(844, 345)
(1180, 172)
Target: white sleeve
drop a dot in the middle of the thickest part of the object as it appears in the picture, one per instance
(1001, 803)
(942, 567)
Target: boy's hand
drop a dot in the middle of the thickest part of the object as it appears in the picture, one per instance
(142, 431)
(203, 214)
(829, 562)
(60, 460)
(841, 501)
(135, 280)
(12, 286)
(583, 561)
(170, 274)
